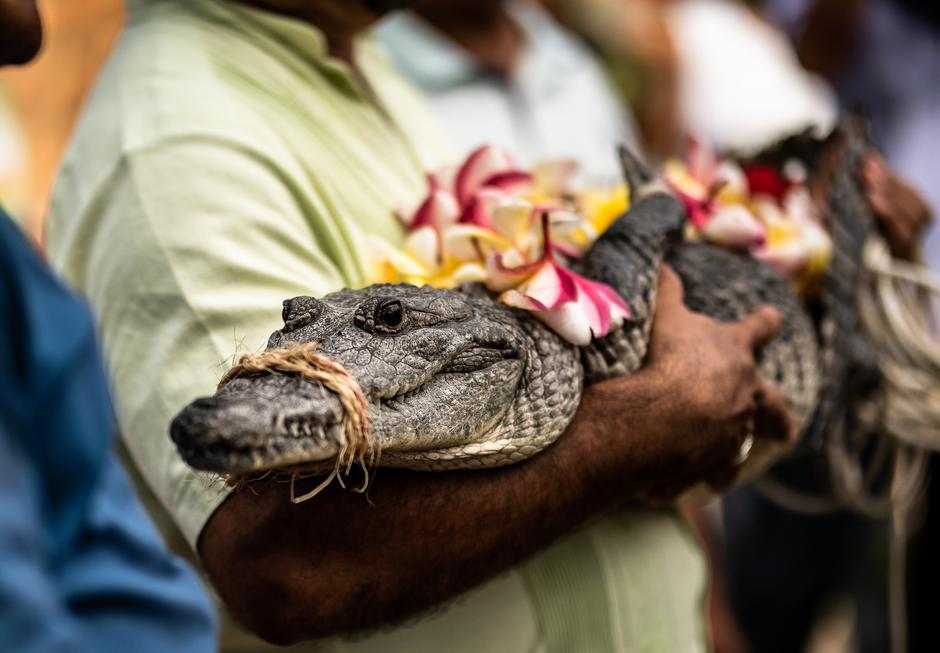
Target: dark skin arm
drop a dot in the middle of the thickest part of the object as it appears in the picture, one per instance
(902, 213)
(337, 564)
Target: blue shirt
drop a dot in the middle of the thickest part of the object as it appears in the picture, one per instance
(81, 566)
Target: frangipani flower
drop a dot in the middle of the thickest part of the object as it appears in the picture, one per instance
(484, 211)
(469, 242)
(594, 209)
(703, 175)
(478, 223)
(419, 263)
(759, 208)
(438, 210)
(713, 193)
(444, 179)
(479, 211)
(487, 204)
(470, 193)
(766, 180)
(576, 308)
(783, 250)
(734, 226)
(509, 226)
(488, 166)
(797, 244)
(602, 205)
(554, 178)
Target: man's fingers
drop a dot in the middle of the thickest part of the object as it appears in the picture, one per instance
(773, 419)
(759, 326)
(901, 211)
(874, 170)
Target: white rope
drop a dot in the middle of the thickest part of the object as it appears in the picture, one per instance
(899, 315)
(897, 310)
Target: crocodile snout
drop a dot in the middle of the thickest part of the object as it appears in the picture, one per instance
(257, 421)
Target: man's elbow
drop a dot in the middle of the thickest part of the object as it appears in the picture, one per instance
(278, 596)
(280, 607)
(287, 584)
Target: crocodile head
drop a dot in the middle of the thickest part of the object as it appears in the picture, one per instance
(436, 367)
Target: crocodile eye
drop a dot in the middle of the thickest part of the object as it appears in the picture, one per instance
(390, 314)
(383, 315)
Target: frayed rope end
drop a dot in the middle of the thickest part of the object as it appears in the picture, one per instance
(304, 361)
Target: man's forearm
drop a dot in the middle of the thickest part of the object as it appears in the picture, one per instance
(340, 562)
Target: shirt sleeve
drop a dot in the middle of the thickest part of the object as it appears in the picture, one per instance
(33, 617)
(186, 252)
(137, 591)
(118, 586)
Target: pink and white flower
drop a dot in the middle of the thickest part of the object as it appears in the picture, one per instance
(576, 308)
(438, 210)
(797, 246)
(734, 226)
(470, 193)
(712, 191)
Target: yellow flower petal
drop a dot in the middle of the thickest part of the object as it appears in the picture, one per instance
(468, 242)
(602, 206)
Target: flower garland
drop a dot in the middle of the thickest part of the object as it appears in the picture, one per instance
(757, 208)
(517, 230)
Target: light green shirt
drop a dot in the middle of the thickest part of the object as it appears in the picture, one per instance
(226, 163)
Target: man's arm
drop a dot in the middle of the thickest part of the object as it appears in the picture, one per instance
(340, 562)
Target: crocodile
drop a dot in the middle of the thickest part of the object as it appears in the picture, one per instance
(454, 379)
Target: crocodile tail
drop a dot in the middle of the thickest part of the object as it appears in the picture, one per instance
(635, 172)
(627, 257)
(632, 248)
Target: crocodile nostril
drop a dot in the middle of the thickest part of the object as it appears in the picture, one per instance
(300, 311)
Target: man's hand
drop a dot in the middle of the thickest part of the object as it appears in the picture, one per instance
(715, 396)
(340, 563)
(902, 213)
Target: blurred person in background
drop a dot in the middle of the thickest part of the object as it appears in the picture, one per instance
(883, 58)
(77, 37)
(739, 83)
(235, 154)
(507, 74)
(720, 73)
(81, 566)
(633, 43)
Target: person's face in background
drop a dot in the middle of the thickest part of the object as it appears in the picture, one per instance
(20, 31)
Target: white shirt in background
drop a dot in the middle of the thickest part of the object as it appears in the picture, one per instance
(558, 104)
(741, 84)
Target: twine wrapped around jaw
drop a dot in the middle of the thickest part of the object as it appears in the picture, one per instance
(304, 361)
